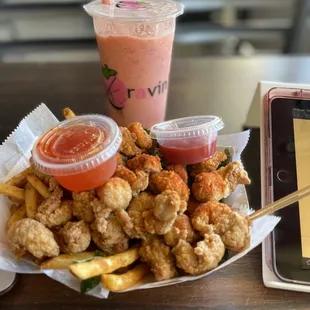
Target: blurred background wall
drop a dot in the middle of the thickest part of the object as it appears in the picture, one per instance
(59, 30)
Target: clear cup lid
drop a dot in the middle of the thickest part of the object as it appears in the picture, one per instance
(77, 145)
(187, 127)
(141, 11)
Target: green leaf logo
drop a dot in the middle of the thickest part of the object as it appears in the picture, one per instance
(108, 72)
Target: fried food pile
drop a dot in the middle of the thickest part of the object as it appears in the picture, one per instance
(148, 217)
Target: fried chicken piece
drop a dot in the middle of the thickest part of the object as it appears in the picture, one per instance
(102, 214)
(234, 229)
(192, 205)
(126, 221)
(210, 186)
(208, 213)
(148, 215)
(205, 256)
(180, 170)
(55, 217)
(160, 219)
(132, 221)
(167, 204)
(138, 180)
(208, 165)
(143, 141)
(115, 193)
(234, 174)
(147, 163)
(158, 256)
(169, 180)
(181, 230)
(32, 236)
(120, 159)
(232, 226)
(219, 184)
(141, 183)
(52, 184)
(75, 237)
(113, 240)
(128, 146)
(82, 207)
(53, 212)
(125, 174)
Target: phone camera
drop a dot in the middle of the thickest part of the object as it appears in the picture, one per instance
(283, 176)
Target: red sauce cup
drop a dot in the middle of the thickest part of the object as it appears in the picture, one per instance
(188, 140)
(80, 152)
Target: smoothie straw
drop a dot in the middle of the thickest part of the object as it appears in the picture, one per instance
(111, 3)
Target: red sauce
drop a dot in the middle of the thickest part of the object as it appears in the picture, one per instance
(72, 145)
(186, 152)
(90, 179)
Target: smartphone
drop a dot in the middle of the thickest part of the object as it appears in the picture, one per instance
(288, 170)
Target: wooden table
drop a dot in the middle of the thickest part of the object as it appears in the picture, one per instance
(220, 86)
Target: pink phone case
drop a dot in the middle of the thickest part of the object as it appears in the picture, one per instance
(274, 93)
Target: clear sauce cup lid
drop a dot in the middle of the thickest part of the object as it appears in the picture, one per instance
(77, 145)
(140, 11)
(187, 127)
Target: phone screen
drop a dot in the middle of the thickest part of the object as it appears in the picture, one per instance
(290, 133)
(301, 121)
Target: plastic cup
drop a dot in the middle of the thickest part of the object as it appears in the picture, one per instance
(188, 140)
(135, 41)
(79, 152)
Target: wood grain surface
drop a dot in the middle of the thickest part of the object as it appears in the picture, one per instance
(218, 86)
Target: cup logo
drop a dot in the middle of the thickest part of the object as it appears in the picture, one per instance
(132, 5)
(116, 90)
(118, 93)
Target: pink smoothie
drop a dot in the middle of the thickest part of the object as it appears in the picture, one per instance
(136, 76)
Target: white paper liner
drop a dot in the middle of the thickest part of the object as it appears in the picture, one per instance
(14, 157)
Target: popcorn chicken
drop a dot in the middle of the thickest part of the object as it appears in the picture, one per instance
(128, 146)
(219, 184)
(158, 256)
(169, 180)
(147, 163)
(143, 139)
(115, 193)
(138, 180)
(180, 170)
(75, 237)
(82, 207)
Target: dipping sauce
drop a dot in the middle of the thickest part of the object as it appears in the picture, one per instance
(79, 152)
(188, 154)
(188, 140)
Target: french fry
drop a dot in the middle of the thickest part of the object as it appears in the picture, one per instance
(31, 201)
(38, 185)
(68, 113)
(104, 265)
(17, 201)
(14, 208)
(126, 280)
(20, 213)
(63, 261)
(12, 191)
(19, 180)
